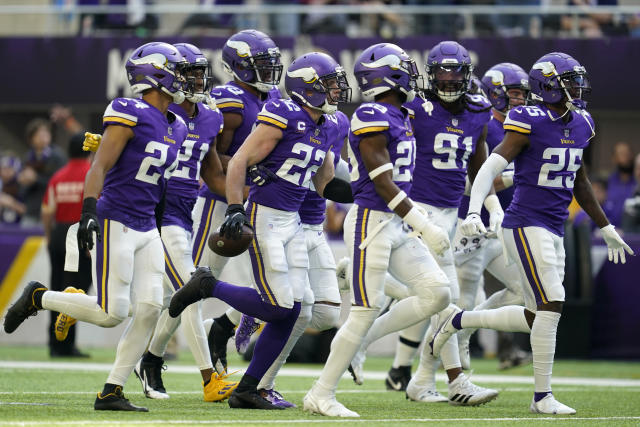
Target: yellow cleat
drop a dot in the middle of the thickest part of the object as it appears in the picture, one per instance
(64, 321)
(91, 141)
(218, 389)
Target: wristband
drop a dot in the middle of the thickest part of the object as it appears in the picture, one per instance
(379, 170)
(416, 219)
(397, 199)
(89, 205)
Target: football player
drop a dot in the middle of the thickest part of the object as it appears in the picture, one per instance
(546, 143)
(138, 152)
(293, 139)
(382, 156)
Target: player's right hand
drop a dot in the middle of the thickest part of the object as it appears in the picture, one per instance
(261, 175)
(234, 219)
(615, 245)
(472, 225)
(88, 225)
(435, 237)
(91, 141)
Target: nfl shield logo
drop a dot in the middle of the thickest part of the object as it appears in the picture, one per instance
(316, 132)
(191, 125)
(169, 130)
(566, 133)
(454, 121)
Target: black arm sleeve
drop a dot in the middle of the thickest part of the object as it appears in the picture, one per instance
(338, 191)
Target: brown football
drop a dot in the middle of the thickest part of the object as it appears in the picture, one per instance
(230, 247)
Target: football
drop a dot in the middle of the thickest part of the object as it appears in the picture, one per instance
(230, 247)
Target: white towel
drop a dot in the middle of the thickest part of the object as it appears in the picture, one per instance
(72, 257)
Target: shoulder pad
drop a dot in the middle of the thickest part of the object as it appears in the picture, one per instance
(122, 111)
(520, 119)
(477, 103)
(228, 97)
(370, 118)
(277, 112)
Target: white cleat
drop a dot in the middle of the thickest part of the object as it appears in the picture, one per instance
(443, 329)
(342, 270)
(463, 348)
(329, 407)
(427, 394)
(462, 392)
(549, 405)
(356, 367)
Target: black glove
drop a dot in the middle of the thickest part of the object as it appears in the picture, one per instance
(234, 219)
(261, 175)
(88, 224)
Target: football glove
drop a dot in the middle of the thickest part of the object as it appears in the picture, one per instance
(91, 141)
(615, 244)
(234, 219)
(88, 225)
(472, 225)
(261, 175)
(496, 214)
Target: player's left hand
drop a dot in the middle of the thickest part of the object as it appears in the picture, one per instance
(234, 219)
(496, 214)
(91, 141)
(88, 225)
(261, 175)
(616, 246)
(472, 225)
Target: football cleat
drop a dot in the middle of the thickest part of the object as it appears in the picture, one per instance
(150, 375)
(64, 321)
(116, 402)
(218, 389)
(276, 398)
(549, 405)
(463, 347)
(246, 328)
(443, 329)
(341, 274)
(329, 407)
(462, 392)
(398, 378)
(217, 340)
(427, 394)
(250, 399)
(24, 307)
(199, 286)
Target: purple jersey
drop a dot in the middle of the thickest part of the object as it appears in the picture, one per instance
(296, 157)
(184, 185)
(134, 185)
(444, 143)
(370, 119)
(545, 171)
(314, 206)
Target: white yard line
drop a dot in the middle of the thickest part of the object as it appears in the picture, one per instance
(315, 372)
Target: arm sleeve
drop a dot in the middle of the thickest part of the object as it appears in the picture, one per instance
(494, 164)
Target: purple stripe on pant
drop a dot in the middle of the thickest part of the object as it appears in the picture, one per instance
(529, 265)
(102, 266)
(257, 261)
(200, 239)
(360, 258)
(171, 271)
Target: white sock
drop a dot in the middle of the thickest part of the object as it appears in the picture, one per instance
(133, 342)
(343, 347)
(408, 344)
(79, 306)
(425, 375)
(194, 332)
(165, 328)
(507, 319)
(268, 380)
(449, 353)
(234, 316)
(543, 347)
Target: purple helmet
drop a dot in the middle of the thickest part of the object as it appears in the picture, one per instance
(197, 73)
(557, 77)
(497, 81)
(383, 67)
(252, 57)
(157, 65)
(314, 80)
(448, 70)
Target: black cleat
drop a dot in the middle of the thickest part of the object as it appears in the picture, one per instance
(150, 375)
(116, 402)
(398, 378)
(250, 399)
(200, 286)
(217, 339)
(24, 307)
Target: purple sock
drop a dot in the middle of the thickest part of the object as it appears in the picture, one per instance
(537, 397)
(456, 320)
(272, 340)
(248, 301)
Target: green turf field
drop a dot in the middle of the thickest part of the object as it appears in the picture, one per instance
(36, 390)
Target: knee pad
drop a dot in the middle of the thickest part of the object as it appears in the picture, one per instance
(148, 313)
(324, 316)
(433, 299)
(111, 320)
(358, 323)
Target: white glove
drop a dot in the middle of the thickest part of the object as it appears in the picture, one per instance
(615, 244)
(472, 225)
(496, 214)
(507, 178)
(435, 237)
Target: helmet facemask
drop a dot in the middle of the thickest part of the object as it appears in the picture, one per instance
(199, 81)
(449, 81)
(265, 67)
(336, 88)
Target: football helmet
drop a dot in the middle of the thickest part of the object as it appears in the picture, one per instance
(252, 57)
(383, 67)
(558, 78)
(448, 70)
(317, 81)
(157, 65)
(197, 72)
(497, 81)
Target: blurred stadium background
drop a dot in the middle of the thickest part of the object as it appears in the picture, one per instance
(63, 61)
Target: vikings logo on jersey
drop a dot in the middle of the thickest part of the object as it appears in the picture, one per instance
(367, 120)
(296, 157)
(444, 144)
(150, 156)
(546, 170)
